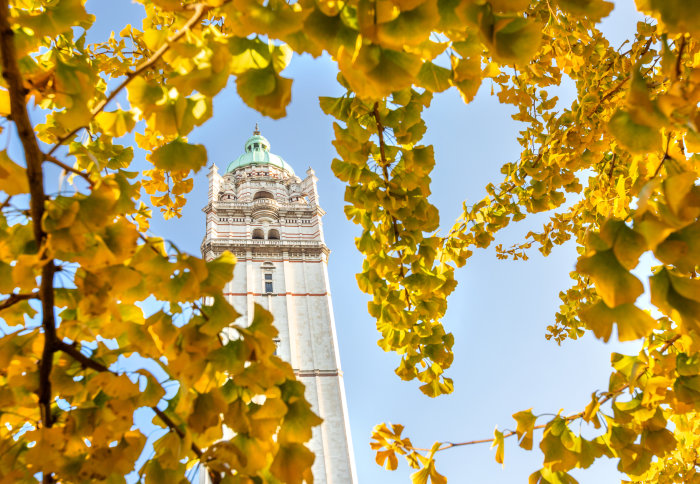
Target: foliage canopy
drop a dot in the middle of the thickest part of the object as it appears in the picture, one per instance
(76, 266)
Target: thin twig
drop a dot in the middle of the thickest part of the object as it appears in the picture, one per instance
(620, 84)
(612, 167)
(206, 317)
(69, 168)
(385, 173)
(510, 433)
(666, 156)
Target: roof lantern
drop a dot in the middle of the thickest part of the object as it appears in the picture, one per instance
(257, 152)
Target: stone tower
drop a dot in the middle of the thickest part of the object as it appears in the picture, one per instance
(271, 220)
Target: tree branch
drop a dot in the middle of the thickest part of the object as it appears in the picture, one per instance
(385, 173)
(35, 176)
(87, 362)
(620, 84)
(666, 156)
(199, 10)
(15, 298)
(680, 56)
(69, 168)
(510, 433)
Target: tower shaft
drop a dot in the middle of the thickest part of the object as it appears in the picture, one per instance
(270, 219)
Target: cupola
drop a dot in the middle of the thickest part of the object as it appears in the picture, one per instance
(256, 151)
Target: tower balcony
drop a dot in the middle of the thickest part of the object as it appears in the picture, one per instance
(216, 245)
(265, 208)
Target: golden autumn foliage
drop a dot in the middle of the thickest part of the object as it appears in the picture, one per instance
(75, 268)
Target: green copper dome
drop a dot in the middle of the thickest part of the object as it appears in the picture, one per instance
(257, 152)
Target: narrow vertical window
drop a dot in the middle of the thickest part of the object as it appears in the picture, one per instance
(268, 283)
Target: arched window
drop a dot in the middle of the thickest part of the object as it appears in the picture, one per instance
(273, 234)
(258, 234)
(263, 194)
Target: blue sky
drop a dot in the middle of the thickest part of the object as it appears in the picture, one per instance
(498, 313)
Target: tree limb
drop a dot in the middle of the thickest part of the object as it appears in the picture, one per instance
(87, 362)
(69, 168)
(35, 176)
(15, 298)
(679, 64)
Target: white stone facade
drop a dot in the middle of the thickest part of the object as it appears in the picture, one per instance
(271, 220)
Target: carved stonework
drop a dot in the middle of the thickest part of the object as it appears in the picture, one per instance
(270, 219)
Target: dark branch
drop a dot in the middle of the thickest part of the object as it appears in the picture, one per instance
(35, 176)
(87, 362)
(15, 298)
(69, 168)
(679, 64)
(666, 156)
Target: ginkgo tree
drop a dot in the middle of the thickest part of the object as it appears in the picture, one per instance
(77, 266)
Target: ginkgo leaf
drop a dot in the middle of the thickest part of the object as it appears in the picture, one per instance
(58, 18)
(434, 77)
(638, 138)
(507, 6)
(179, 155)
(525, 428)
(688, 365)
(264, 90)
(595, 10)
(4, 102)
(13, 178)
(513, 40)
(677, 16)
(298, 422)
(115, 123)
(615, 284)
(292, 462)
(678, 297)
(499, 444)
(632, 322)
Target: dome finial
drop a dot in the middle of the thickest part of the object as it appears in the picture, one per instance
(257, 130)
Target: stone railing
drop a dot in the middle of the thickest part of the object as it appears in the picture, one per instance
(265, 242)
(230, 205)
(266, 202)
